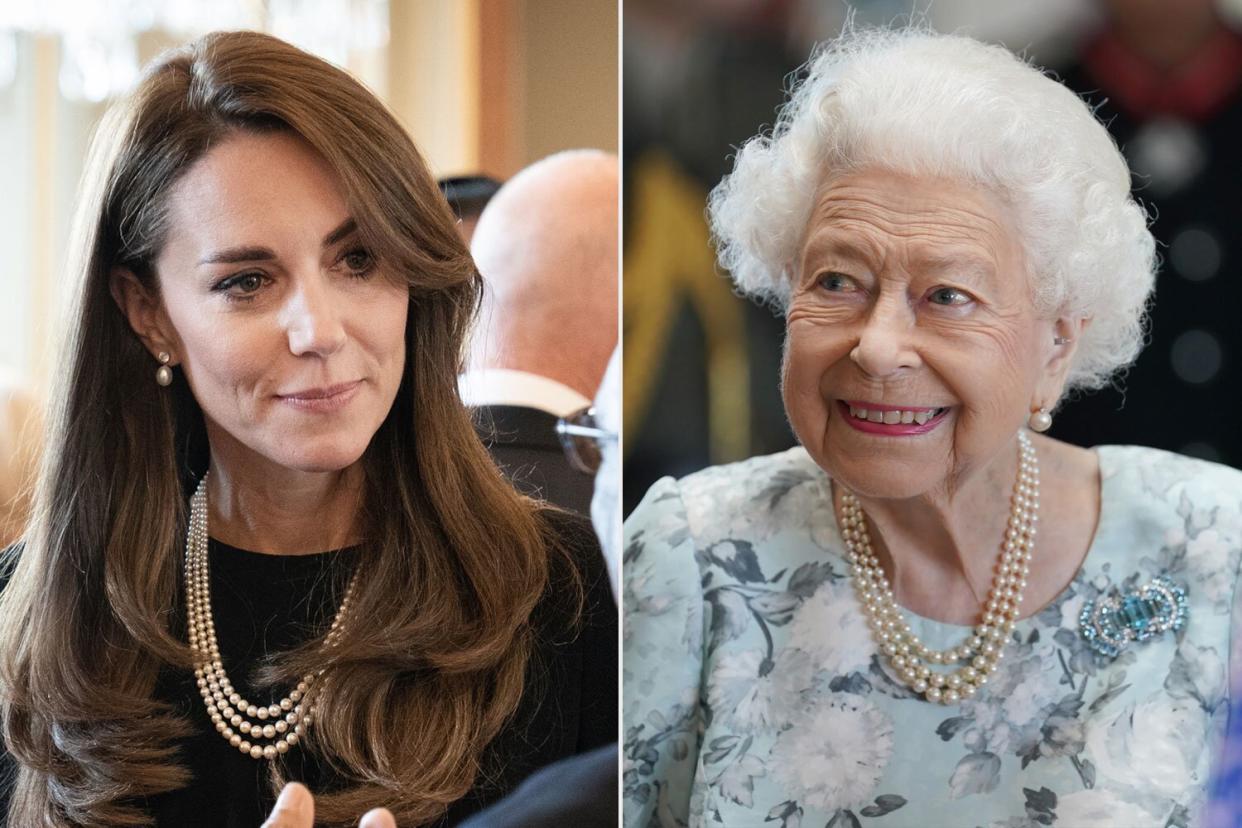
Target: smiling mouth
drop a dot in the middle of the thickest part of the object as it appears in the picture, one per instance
(875, 418)
(325, 398)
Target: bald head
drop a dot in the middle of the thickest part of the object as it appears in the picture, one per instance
(546, 245)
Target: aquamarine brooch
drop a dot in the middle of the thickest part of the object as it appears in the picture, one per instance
(1109, 623)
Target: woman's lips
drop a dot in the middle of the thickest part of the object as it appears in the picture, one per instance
(324, 399)
(894, 421)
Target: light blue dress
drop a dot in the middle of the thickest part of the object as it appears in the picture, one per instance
(754, 695)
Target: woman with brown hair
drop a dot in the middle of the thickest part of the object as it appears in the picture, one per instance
(267, 544)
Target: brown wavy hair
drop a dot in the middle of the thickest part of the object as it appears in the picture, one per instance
(455, 559)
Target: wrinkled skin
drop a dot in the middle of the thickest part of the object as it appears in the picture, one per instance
(914, 292)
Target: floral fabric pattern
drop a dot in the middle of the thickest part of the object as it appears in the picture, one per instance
(755, 696)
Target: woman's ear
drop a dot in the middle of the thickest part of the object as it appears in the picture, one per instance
(1066, 334)
(144, 312)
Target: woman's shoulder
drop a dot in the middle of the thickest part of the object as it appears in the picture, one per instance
(1137, 477)
(577, 568)
(756, 499)
(1165, 513)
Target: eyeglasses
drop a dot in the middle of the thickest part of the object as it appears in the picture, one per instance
(582, 438)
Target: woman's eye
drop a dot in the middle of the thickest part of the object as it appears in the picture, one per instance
(948, 296)
(242, 284)
(359, 261)
(836, 283)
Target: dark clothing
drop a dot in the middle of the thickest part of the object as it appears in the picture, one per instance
(580, 791)
(270, 603)
(1180, 131)
(524, 443)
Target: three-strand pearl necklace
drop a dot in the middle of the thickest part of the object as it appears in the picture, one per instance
(984, 648)
(258, 732)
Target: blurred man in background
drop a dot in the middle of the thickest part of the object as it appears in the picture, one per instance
(468, 195)
(547, 246)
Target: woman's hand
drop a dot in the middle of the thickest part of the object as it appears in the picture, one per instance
(295, 808)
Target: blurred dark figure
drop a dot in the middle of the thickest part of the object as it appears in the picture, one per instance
(468, 195)
(1167, 79)
(699, 361)
(547, 248)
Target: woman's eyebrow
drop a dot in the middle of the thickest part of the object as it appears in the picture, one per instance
(343, 230)
(831, 243)
(965, 265)
(233, 255)
(253, 253)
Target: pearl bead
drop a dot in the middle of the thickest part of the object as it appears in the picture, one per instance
(894, 636)
(213, 682)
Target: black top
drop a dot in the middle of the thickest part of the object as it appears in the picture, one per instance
(269, 603)
(580, 791)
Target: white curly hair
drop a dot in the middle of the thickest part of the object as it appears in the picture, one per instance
(946, 106)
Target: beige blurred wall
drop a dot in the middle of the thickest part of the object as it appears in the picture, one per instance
(493, 85)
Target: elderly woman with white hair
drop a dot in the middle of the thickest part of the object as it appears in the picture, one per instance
(926, 614)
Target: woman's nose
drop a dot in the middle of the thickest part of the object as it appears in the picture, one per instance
(313, 320)
(885, 343)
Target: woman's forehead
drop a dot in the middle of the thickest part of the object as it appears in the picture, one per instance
(935, 222)
(255, 189)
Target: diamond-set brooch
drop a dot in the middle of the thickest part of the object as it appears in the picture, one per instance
(1109, 623)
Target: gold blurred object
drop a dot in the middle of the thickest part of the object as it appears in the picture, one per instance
(669, 260)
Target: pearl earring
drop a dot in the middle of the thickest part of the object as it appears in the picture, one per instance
(163, 374)
(1040, 420)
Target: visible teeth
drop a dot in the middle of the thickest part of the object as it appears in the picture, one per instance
(895, 416)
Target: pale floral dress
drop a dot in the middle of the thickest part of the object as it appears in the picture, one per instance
(753, 694)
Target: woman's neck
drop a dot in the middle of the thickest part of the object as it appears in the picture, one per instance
(278, 511)
(940, 550)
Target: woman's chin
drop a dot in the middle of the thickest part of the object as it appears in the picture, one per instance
(894, 474)
(879, 466)
(882, 483)
(320, 459)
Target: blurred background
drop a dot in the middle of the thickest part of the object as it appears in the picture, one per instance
(484, 87)
(702, 76)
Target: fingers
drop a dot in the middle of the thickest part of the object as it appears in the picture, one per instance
(295, 808)
(378, 818)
